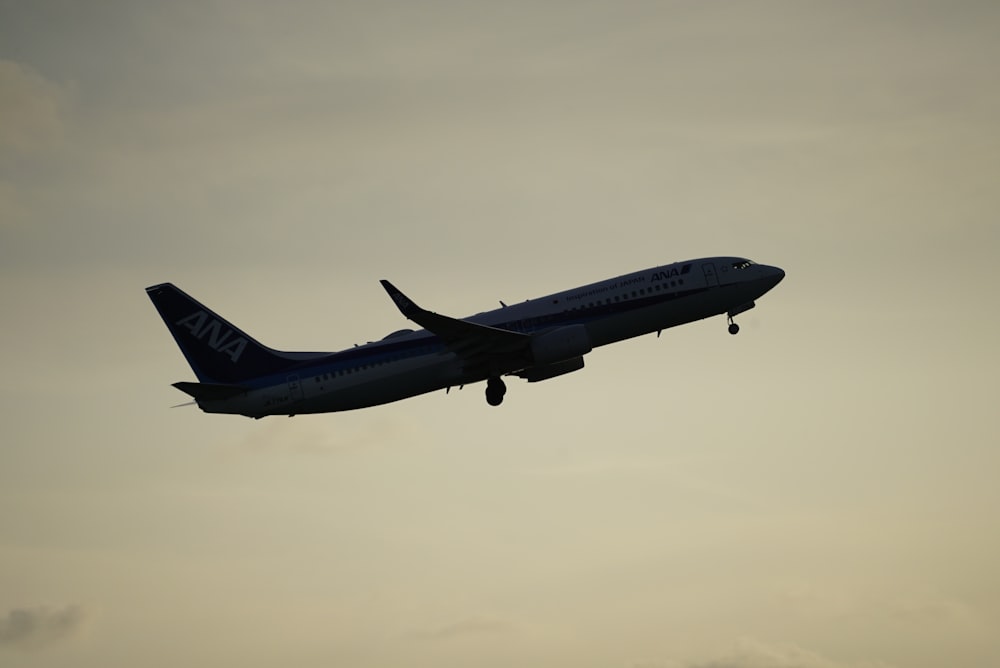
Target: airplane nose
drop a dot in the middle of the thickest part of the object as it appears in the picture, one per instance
(773, 276)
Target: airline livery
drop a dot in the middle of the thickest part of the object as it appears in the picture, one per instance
(534, 340)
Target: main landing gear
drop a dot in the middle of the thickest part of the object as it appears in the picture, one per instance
(495, 389)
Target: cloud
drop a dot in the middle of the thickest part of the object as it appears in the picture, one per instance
(30, 123)
(935, 612)
(30, 110)
(751, 653)
(36, 628)
(472, 627)
(12, 207)
(305, 437)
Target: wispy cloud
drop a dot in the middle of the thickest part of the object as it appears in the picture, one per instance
(31, 123)
(466, 628)
(936, 612)
(752, 653)
(36, 628)
(30, 109)
(276, 436)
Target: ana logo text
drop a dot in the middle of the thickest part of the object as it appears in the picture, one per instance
(220, 338)
(670, 273)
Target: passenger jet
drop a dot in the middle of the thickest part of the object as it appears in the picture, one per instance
(535, 340)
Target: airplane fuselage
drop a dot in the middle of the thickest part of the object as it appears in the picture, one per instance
(408, 363)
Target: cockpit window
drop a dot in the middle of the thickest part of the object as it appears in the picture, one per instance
(742, 264)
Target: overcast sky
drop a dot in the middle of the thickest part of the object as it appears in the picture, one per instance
(817, 492)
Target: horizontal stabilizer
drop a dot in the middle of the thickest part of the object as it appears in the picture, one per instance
(210, 391)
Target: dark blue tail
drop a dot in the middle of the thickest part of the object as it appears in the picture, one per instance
(217, 350)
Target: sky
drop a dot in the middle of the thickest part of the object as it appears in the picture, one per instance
(817, 492)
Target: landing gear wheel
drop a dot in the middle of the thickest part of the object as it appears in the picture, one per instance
(495, 389)
(733, 327)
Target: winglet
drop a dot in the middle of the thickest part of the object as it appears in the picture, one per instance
(403, 303)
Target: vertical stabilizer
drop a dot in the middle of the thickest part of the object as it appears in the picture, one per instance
(217, 350)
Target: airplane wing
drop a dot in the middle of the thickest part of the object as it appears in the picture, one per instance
(478, 345)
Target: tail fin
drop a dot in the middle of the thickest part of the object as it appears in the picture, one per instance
(218, 352)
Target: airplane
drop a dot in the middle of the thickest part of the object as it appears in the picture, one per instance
(535, 340)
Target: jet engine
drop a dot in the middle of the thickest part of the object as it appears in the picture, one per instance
(560, 345)
(537, 373)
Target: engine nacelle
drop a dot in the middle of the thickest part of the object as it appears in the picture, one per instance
(544, 372)
(560, 345)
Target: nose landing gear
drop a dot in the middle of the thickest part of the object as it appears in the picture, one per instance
(495, 389)
(743, 308)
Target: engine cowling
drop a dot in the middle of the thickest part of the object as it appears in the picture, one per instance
(560, 345)
(538, 373)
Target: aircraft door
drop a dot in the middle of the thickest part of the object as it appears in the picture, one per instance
(294, 388)
(711, 278)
